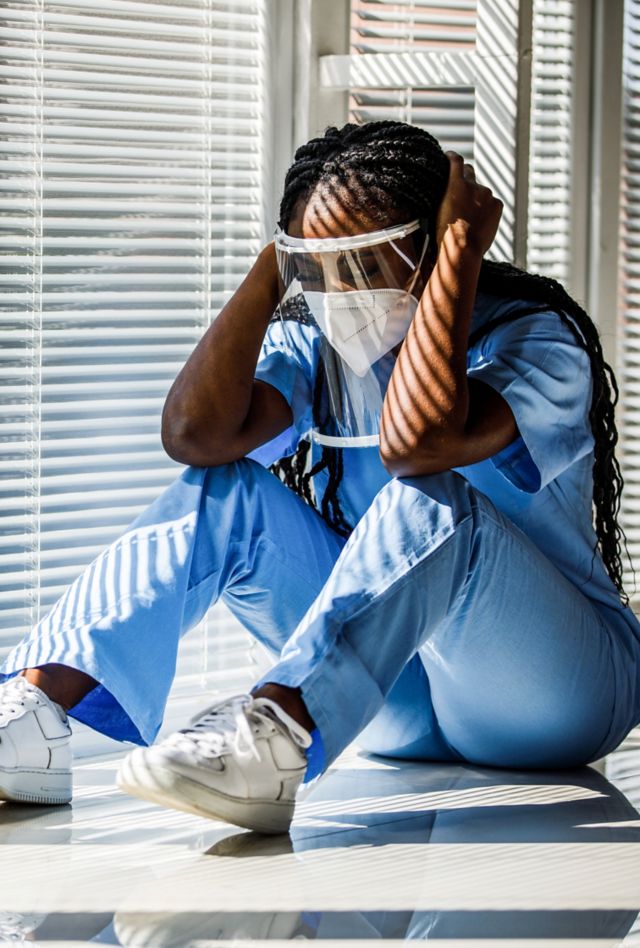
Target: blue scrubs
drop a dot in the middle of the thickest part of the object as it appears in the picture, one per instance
(466, 618)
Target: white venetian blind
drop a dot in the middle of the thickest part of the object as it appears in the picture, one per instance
(552, 102)
(449, 111)
(454, 69)
(629, 281)
(381, 27)
(132, 170)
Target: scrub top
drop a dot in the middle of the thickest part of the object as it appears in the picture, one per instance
(542, 481)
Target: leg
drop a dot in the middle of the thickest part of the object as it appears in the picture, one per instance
(233, 530)
(406, 726)
(63, 684)
(520, 665)
(396, 730)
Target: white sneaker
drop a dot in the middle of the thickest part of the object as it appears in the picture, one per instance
(17, 928)
(175, 930)
(35, 745)
(241, 761)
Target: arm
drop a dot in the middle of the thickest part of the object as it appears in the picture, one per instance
(433, 419)
(215, 411)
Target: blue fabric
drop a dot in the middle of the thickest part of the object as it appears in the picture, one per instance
(316, 763)
(466, 618)
(542, 481)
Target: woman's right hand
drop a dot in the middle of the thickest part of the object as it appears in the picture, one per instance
(469, 209)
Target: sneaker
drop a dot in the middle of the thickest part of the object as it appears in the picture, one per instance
(35, 746)
(177, 929)
(240, 761)
(18, 929)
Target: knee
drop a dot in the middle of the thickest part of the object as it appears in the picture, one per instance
(431, 500)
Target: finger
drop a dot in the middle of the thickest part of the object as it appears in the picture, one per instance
(456, 163)
(469, 172)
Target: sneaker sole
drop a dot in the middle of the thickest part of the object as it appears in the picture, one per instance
(172, 789)
(51, 787)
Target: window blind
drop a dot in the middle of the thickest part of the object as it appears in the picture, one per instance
(381, 27)
(552, 92)
(452, 68)
(450, 112)
(132, 175)
(629, 282)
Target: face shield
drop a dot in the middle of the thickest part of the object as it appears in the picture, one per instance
(355, 298)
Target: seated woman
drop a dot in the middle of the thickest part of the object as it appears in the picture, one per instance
(453, 593)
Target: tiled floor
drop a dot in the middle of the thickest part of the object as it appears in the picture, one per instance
(378, 852)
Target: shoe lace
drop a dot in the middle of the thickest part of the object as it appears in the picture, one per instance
(14, 695)
(11, 927)
(14, 928)
(225, 726)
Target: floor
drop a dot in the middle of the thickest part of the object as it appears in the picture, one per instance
(379, 852)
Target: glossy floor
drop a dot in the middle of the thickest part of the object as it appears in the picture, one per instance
(379, 852)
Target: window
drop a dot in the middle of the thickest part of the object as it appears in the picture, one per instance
(133, 191)
(629, 283)
(552, 140)
(448, 113)
(449, 67)
(459, 68)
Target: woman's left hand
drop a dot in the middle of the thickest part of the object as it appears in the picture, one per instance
(469, 209)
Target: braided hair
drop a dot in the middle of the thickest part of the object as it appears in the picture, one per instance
(398, 172)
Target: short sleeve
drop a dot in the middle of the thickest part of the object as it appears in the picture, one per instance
(543, 374)
(277, 366)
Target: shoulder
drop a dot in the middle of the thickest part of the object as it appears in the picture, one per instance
(534, 353)
(523, 326)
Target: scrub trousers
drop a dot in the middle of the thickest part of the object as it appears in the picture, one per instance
(438, 631)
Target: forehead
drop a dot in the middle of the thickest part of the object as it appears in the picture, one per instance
(327, 214)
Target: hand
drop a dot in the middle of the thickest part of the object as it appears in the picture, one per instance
(468, 208)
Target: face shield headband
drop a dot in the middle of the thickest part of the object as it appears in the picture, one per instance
(376, 259)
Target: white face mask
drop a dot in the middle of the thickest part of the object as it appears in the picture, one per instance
(363, 325)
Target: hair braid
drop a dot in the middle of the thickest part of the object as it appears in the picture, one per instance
(503, 279)
(397, 172)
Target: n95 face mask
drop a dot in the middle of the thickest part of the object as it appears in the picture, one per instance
(363, 325)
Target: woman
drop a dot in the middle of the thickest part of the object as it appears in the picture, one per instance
(472, 614)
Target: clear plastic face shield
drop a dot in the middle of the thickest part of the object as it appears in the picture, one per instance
(353, 298)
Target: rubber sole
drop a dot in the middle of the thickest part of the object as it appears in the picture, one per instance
(172, 789)
(49, 787)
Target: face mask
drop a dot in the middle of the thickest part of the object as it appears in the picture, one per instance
(363, 325)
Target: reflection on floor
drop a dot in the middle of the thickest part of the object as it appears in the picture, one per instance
(379, 851)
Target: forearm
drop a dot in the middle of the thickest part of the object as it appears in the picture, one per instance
(212, 392)
(427, 402)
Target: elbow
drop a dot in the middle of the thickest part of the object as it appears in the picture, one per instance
(186, 446)
(412, 458)
(205, 444)
(401, 463)
(175, 437)
(177, 446)
(410, 465)
(195, 453)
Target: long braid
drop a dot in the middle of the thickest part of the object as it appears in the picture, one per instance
(503, 279)
(396, 172)
(294, 471)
